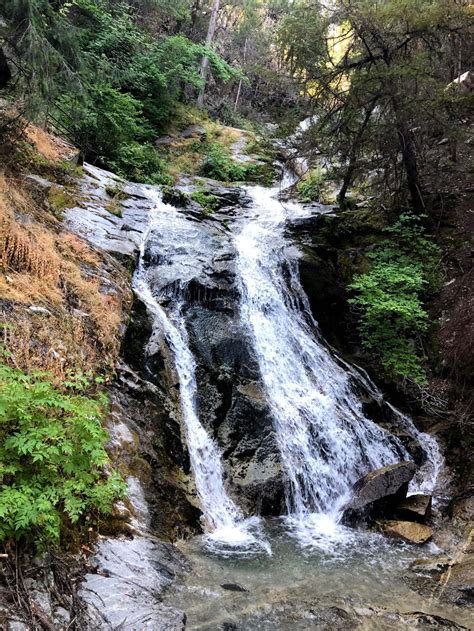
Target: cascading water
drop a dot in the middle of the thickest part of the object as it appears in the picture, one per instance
(326, 441)
(224, 520)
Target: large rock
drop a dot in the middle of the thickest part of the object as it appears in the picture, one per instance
(119, 235)
(408, 531)
(388, 482)
(125, 590)
(414, 508)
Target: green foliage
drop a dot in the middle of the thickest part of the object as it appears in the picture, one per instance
(110, 81)
(52, 456)
(311, 187)
(206, 200)
(219, 165)
(112, 125)
(391, 298)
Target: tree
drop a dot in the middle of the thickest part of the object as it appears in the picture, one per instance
(205, 60)
(377, 81)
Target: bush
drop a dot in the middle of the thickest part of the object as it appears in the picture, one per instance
(220, 166)
(140, 162)
(311, 188)
(391, 298)
(52, 456)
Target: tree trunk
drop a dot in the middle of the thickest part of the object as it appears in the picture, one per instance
(410, 162)
(5, 72)
(205, 60)
(239, 89)
(353, 157)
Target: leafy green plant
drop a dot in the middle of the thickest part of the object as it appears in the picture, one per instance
(311, 187)
(219, 165)
(206, 200)
(391, 298)
(52, 456)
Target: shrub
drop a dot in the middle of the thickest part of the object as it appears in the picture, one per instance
(52, 456)
(311, 187)
(140, 162)
(219, 165)
(391, 298)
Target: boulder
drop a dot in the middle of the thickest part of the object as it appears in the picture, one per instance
(379, 492)
(408, 531)
(414, 508)
(125, 588)
(389, 481)
(194, 131)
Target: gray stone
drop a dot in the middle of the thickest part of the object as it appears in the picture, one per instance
(125, 590)
(193, 131)
(92, 221)
(38, 184)
(390, 481)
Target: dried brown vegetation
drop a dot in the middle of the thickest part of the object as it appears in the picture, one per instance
(61, 301)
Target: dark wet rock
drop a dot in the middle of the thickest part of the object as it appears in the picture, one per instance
(175, 197)
(233, 408)
(325, 291)
(232, 195)
(145, 438)
(233, 587)
(124, 590)
(411, 532)
(414, 508)
(379, 491)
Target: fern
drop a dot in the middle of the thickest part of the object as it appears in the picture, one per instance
(52, 456)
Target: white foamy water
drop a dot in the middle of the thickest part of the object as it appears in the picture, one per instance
(326, 441)
(225, 524)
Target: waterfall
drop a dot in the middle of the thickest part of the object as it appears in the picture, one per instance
(326, 441)
(223, 519)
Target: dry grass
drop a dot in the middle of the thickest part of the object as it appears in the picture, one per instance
(186, 155)
(47, 145)
(62, 305)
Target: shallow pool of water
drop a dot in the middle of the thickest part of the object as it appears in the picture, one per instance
(346, 580)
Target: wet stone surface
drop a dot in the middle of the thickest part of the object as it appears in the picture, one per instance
(126, 589)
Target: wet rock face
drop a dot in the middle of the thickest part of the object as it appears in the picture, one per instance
(146, 442)
(195, 266)
(124, 589)
(234, 410)
(119, 235)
